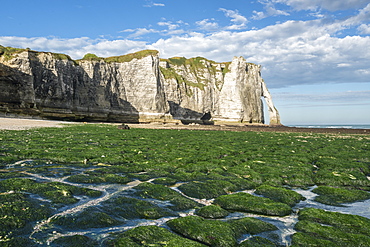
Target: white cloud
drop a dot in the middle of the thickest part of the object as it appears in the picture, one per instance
(138, 32)
(331, 5)
(240, 22)
(169, 24)
(152, 4)
(77, 47)
(158, 4)
(291, 53)
(270, 10)
(208, 24)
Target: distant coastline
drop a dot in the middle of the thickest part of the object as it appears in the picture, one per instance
(331, 126)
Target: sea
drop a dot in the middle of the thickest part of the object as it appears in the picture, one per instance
(336, 126)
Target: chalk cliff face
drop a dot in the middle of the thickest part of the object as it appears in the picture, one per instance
(133, 88)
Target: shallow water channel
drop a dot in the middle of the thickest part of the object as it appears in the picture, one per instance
(45, 232)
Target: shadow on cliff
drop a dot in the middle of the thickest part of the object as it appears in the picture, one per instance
(65, 94)
(188, 116)
(15, 92)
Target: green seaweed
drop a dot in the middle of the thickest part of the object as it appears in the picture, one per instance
(340, 238)
(89, 218)
(75, 241)
(280, 194)
(257, 241)
(251, 226)
(345, 222)
(97, 179)
(337, 196)
(209, 232)
(245, 202)
(245, 160)
(207, 189)
(132, 208)
(165, 181)
(161, 192)
(212, 212)
(304, 239)
(152, 236)
(17, 211)
(54, 191)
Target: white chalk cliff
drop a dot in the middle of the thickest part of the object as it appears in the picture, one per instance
(137, 87)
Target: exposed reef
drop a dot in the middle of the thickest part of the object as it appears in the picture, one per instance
(138, 87)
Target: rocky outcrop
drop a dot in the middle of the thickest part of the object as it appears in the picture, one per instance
(136, 87)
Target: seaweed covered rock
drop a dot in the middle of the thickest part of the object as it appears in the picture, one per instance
(132, 208)
(251, 226)
(56, 192)
(345, 222)
(217, 232)
(17, 211)
(89, 218)
(280, 194)
(324, 228)
(207, 189)
(336, 236)
(165, 181)
(161, 192)
(337, 196)
(152, 236)
(212, 212)
(99, 178)
(75, 241)
(245, 202)
(257, 242)
(209, 232)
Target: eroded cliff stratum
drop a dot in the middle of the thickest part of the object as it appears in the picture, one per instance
(138, 87)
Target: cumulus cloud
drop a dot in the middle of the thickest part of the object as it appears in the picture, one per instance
(323, 4)
(150, 4)
(208, 25)
(270, 10)
(139, 32)
(77, 47)
(291, 53)
(169, 24)
(240, 22)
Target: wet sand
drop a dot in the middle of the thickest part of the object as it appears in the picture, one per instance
(21, 124)
(259, 128)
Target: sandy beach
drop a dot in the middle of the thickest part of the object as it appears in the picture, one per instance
(23, 123)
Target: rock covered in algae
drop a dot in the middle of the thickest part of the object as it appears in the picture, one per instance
(89, 218)
(132, 208)
(17, 211)
(99, 178)
(161, 192)
(210, 232)
(280, 194)
(152, 236)
(75, 241)
(217, 232)
(212, 212)
(207, 189)
(337, 196)
(251, 226)
(56, 192)
(317, 227)
(245, 202)
(257, 242)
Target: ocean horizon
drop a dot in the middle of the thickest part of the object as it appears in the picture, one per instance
(331, 126)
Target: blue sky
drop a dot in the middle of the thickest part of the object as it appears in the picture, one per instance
(315, 54)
